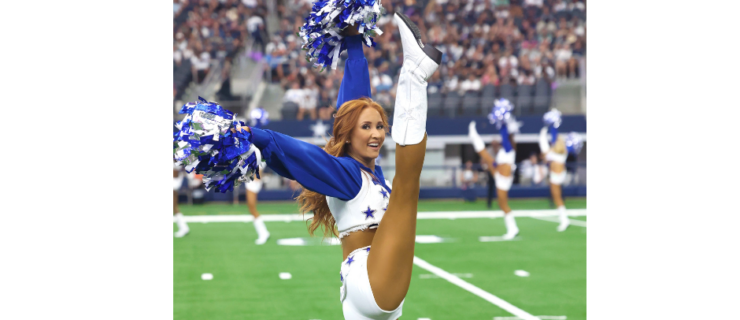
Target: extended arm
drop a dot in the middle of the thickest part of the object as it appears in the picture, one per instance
(544, 145)
(308, 164)
(553, 134)
(505, 141)
(356, 79)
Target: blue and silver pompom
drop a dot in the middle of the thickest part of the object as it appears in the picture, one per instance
(573, 143)
(552, 117)
(501, 112)
(213, 144)
(258, 118)
(328, 18)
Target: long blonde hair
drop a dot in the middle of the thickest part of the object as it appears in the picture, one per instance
(344, 122)
(559, 146)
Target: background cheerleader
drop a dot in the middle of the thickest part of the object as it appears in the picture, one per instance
(258, 118)
(182, 226)
(556, 151)
(502, 168)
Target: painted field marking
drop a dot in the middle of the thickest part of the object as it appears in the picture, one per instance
(285, 275)
(521, 273)
(541, 317)
(206, 276)
(434, 276)
(420, 215)
(573, 222)
(496, 238)
(425, 319)
(474, 290)
(428, 239)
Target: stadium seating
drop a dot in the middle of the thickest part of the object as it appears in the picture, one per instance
(541, 97)
(451, 104)
(471, 104)
(506, 91)
(434, 102)
(524, 100)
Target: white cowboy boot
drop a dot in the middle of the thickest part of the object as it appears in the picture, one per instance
(419, 63)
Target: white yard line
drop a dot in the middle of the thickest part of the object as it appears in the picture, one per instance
(474, 290)
(541, 317)
(421, 215)
(573, 222)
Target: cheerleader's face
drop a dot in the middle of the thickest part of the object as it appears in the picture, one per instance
(367, 137)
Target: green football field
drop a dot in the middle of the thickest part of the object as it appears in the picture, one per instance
(542, 272)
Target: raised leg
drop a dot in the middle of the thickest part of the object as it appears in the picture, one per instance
(391, 259)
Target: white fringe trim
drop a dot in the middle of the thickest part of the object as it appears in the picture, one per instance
(361, 227)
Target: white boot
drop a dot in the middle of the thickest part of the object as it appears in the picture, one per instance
(262, 233)
(564, 221)
(478, 144)
(511, 229)
(419, 63)
(182, 226)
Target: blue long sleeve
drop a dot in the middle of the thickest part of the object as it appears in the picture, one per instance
(505, 142)
(356, 80)
(553, 134)
(311, 166)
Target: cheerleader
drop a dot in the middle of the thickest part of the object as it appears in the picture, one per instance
(556, 151)
(342, 186)
(348, 193)
(503, 166)
(182, 226)
(258, 118)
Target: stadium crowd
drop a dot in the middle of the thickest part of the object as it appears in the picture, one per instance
(212, 29)
(485, 42)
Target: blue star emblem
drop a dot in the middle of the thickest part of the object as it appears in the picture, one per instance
(368, 250)
(349, 261)
(369, 213)
(384, 193)
(386, 208)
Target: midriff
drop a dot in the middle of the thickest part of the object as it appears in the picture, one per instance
(356, 240)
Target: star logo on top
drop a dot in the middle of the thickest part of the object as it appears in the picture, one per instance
(319, 129)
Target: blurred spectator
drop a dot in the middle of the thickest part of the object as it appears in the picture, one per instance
(490, 77)
(256, 28)
(311, 96)
(201, 62)
(468, 179)
(525, 78)
(296, 95)
(470, 84)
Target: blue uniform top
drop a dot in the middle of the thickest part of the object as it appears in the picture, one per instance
(311, 166)
(356, 79)
(505, 142)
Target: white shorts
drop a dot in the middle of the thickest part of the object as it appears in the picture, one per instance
(355, 293)
(557, 178)
(502, 182)
(254, 186)
(178, 182)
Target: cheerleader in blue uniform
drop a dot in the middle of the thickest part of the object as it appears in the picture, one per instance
(502, 168)
(556, 151)
(347, 192)
(258, 118)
